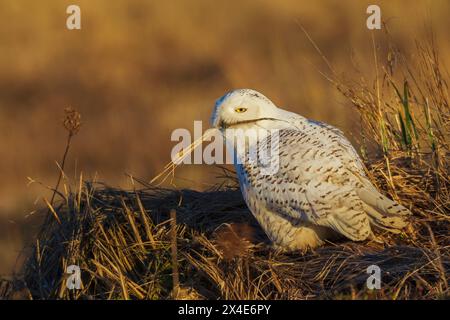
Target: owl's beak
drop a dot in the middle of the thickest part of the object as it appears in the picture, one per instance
(218, 123)
(222, 125)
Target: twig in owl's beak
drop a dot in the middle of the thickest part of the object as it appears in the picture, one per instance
(169, 169)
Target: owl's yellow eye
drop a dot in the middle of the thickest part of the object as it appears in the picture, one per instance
(240, 110)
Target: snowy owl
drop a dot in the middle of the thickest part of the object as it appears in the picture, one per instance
(320, 190)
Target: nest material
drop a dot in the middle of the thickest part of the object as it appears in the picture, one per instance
(126, 249)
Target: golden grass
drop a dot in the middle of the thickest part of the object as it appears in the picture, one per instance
(129, 245)
(124, 244)
(136, 61)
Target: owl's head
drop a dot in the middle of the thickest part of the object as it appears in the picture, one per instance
(242, 106)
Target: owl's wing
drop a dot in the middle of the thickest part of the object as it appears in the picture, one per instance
(316, 180)
(319, 202)
(335, 138)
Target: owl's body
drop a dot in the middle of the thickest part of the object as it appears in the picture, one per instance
(319, 190)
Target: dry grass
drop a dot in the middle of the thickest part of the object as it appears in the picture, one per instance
(129, 245)
(122, 241)
(135, 61)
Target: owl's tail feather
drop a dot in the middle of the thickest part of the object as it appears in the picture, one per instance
(383, 212)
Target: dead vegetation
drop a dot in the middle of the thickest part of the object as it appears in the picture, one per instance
(123, 244)
(126, 242)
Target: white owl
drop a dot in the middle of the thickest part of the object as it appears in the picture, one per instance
(319, 191)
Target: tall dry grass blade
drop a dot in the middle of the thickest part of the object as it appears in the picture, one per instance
(174, 250)
(52, 210)
(169, 169)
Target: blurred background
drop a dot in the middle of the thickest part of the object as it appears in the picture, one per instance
(137, 70)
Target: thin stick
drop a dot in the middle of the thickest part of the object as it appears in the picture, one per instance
(72, 124)
(173, 234)
(316, 47)
(61, 171)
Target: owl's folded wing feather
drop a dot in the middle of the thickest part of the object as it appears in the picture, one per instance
(321, 180)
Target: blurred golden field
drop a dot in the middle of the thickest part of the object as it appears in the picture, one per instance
(139, 69)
